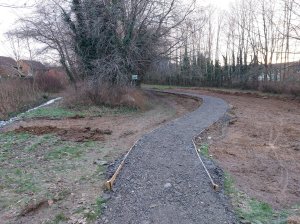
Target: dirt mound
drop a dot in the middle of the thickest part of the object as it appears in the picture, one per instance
(71, 134)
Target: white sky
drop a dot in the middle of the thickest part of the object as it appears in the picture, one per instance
(9, 16)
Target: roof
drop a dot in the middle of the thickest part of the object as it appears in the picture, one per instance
(7, 62)
(35, 65)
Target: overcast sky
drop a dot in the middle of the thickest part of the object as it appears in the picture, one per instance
(9, 16)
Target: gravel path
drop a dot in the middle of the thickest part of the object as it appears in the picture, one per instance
(163, 181)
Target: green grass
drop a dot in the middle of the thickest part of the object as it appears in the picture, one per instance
(66, 152)
(93, 111)
(52, 112)
(96, 211)
(59, 218)
(250, 209)
(160, 87)
(38, 141)
(229, 184)
(204, 150)
(257, 212)
(10, 140)
(18, 180)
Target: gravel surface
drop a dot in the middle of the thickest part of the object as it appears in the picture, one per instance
(163, 181)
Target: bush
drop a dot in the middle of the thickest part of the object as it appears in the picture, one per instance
(103, 94)
(17, 94)
(291, 88)
(49, 82)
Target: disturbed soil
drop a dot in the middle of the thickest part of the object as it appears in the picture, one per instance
(72, 134)
(260, 147)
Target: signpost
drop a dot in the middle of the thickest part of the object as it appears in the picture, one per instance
(134, 80)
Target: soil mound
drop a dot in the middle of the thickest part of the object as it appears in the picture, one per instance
(71, 134)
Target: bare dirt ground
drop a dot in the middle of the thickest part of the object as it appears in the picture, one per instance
(261, 147)
(52, 171)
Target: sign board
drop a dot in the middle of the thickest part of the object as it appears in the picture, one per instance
(134, 77)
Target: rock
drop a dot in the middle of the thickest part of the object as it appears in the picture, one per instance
(296, 147)
(293, 220)
(153, 205)
(106, 197)
(167, 185)
(233, 121)
(245, 222)
(100, 162)
(50, 202)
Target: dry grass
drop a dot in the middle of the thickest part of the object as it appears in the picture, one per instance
(103, 94)
(16, 95)
(290, 88)
(50, 82)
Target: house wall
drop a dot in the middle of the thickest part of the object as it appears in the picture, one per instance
(25, 68)
(6, 72)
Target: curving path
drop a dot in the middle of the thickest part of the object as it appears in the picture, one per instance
(163, 182)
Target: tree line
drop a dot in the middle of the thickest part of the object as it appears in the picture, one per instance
(255, 41)
(169, 42)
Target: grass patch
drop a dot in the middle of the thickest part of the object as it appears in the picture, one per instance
(52, 112)
(250, 209)
(160, 87)
(59, 218)
(66, 152)
(10, 140)
(96, 210)
(204, 150)
(38, 141)
(93, 111)
(229, 185)
(18, 180)
(257, 212)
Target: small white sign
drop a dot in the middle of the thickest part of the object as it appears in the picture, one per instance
(134, 77)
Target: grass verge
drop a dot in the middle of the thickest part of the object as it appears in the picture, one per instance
(94, 111)
(160, 87)
(251, 210)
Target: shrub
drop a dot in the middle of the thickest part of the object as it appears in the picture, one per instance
(17, 94)
(291, 88)
(87, 94)
(49, 82)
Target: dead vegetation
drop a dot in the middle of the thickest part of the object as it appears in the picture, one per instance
(289, 88)
(17, 94)
(89, 94)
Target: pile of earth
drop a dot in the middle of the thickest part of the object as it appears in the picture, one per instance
(71, 134)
